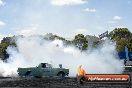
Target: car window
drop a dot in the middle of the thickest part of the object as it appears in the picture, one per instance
(44, 66)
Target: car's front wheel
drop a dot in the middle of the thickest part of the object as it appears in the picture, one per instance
(61, 74)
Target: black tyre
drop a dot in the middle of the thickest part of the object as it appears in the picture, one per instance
(37, 76)
(61, 74)
(28, 73)
(82, 80)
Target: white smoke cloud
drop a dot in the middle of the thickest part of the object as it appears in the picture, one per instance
(67, 2)
(34, 50)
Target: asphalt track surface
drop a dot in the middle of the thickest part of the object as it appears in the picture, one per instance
(54, 82)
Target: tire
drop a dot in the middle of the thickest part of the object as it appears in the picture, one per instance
(82, 80)
(37, 76)
(61, 74)
(28, 73)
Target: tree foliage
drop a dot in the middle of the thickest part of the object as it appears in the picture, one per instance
(93, 41)
(123, 37)
(81, 42)
(7, 41)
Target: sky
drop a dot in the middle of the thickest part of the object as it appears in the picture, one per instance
(63, 17)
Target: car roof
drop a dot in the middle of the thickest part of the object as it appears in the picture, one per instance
(44, 63)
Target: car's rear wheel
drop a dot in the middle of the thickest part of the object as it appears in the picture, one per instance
(28, 73)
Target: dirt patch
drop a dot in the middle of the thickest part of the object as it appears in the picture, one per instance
(50, 82)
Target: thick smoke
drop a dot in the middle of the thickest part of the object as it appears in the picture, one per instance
(34, 50)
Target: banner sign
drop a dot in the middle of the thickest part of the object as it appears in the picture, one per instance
(105, 34)
(108, 78)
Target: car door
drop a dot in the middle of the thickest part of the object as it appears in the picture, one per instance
(46, 71)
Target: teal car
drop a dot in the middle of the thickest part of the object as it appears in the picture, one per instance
(42, 70)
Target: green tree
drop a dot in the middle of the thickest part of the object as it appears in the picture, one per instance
(122, 37)
(5, 42)
(81, 42)
(120, 33)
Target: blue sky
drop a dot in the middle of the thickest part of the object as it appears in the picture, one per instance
(63, 17)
